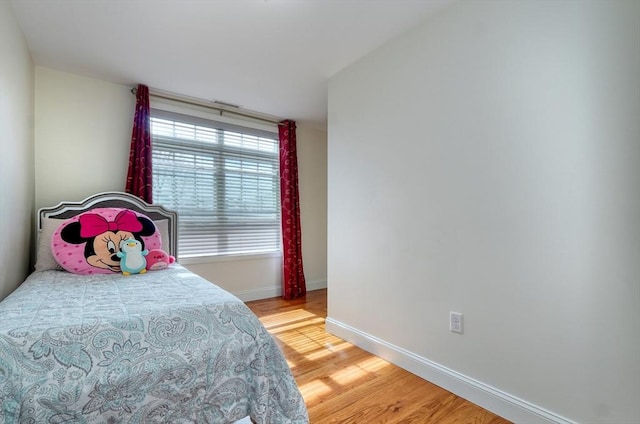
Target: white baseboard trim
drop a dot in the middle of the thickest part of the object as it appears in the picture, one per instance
(257, 294)
(316, 285)
(273, 291)
(503, 404)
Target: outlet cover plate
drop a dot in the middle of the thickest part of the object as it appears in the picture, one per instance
(456, 322)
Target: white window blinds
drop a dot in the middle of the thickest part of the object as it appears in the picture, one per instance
(222, 179)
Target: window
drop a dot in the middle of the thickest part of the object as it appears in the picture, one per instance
(222, 179)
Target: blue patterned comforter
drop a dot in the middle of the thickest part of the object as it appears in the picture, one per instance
(162, 347)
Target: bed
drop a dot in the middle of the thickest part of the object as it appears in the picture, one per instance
(162, 346)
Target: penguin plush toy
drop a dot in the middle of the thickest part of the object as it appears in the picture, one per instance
(131, 256)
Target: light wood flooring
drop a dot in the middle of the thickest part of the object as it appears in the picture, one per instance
(341, 383)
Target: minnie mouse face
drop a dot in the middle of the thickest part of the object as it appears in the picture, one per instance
(105, 248)
(103, 237)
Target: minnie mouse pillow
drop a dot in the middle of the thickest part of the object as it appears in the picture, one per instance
(89, 242)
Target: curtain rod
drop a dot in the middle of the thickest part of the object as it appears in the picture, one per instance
(217, 106)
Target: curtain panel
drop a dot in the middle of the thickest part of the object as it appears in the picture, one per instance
(139, 175)
(293, 283)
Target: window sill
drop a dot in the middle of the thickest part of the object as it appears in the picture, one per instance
(226, 258)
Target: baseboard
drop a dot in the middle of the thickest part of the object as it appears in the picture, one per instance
(257, 294)
(316, 285)
(503, 404)
(268, 292)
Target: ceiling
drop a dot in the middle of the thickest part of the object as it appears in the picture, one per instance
(268, 56)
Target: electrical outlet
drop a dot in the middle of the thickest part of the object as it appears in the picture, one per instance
(456, 323)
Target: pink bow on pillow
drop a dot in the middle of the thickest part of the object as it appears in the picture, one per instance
(92, 225)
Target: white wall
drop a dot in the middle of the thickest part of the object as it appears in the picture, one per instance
(82, 136)
(83, 133)
(488, 162)
(312, 181)
(16, 152)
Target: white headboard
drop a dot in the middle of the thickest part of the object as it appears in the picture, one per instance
(114, 199)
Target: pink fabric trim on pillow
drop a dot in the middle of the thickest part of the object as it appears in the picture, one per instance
(88, 242)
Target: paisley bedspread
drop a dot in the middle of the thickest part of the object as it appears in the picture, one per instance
(162, 347)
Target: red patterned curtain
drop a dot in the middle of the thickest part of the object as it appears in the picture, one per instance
(293, 283)
(139, 176)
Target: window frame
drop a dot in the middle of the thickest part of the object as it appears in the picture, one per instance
(202, 116)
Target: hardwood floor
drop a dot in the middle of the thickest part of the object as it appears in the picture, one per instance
(345, 384)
